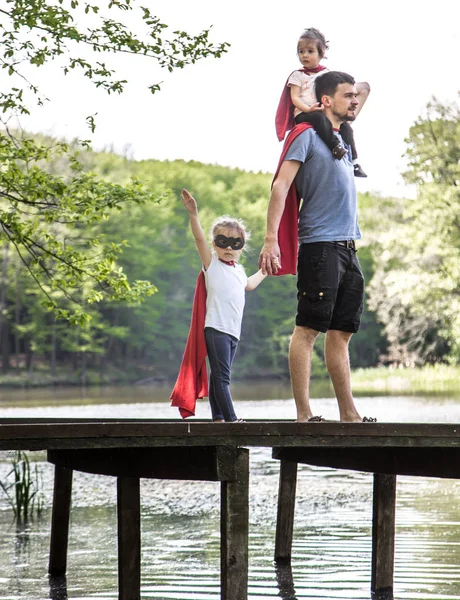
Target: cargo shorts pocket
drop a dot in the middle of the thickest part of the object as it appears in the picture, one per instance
(314, 307)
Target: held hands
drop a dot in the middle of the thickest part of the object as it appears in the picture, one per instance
(269, 258)
(189, 202)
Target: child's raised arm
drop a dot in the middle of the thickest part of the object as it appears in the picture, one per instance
(195, 225)
(254, 280)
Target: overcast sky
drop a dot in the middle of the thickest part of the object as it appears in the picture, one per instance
(221, 111)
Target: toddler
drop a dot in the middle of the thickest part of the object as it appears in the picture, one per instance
(226, 282)
(299, 103)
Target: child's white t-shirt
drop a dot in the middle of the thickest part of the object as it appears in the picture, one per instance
(225, 296)
(306, 84)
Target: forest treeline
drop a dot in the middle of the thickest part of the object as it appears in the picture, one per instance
(409, 254)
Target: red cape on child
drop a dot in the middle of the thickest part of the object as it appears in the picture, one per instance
(192, 381)
(284, 120)
(288, 234)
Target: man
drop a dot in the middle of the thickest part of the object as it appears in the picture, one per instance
(330, 283)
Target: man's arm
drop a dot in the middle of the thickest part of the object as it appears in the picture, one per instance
(363, 89)
(270, 254)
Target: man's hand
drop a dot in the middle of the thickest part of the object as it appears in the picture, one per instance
(269, 258)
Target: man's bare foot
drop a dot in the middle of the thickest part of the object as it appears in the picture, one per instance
(303, 419)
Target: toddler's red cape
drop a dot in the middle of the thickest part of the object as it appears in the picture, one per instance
(192, 381)
(288, 235)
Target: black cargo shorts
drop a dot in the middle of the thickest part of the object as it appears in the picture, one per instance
(330, 287)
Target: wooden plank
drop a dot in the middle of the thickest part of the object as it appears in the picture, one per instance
(285, 513)
(381, 433)
(383, 536)
(129, 538)
(226, 462)
(285, 581)
(120, 434)
(60, 521)
(426, 462)
(58, 588)
(268, 441)
(192, 463)
(234, 527)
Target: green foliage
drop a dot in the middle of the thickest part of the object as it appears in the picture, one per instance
(433, 150)
(161, 246)
(147, 339)
(49, 218)
(23, 488)
(415, 289)
(83, 36)
(367, 348)
(44, 217)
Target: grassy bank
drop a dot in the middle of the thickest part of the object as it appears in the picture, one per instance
(41, 377)
(436, 379)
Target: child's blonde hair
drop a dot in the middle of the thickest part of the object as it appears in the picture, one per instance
(226, 222)
(316, 36)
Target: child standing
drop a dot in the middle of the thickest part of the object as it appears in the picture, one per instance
(299, 104)
(226, 283)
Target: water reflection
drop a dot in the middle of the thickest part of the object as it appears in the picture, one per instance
(261, 400)
(331, 550)
(180, 541)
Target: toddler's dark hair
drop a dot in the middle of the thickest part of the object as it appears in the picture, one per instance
(316, 36)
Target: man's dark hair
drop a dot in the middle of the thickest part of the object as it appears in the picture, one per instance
(327, 83)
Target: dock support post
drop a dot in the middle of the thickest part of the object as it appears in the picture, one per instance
(129, 538)
(60, 521)
(383, 536)
(286, 508)
(234, 528)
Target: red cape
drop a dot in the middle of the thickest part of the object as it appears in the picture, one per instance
(284, 120)
(192, 381)
(288, 234)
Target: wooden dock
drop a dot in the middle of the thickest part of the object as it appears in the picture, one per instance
(130, 449)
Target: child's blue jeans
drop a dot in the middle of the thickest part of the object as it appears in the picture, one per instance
(221, 349)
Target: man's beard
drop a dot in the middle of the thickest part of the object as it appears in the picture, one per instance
(344, 117)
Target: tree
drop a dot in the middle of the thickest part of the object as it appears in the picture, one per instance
(416, 286)
(48, 217)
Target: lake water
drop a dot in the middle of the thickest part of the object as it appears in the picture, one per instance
(180, 520)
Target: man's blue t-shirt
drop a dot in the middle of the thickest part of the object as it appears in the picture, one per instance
(329, 210)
